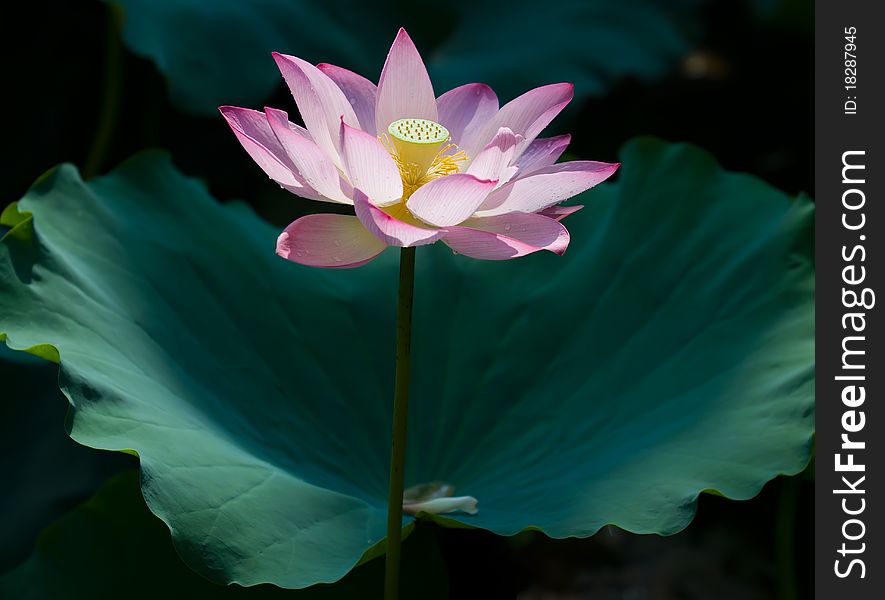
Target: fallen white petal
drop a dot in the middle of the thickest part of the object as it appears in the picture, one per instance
(439, 506)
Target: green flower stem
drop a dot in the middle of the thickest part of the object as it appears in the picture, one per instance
(113, 89)
(400, 422)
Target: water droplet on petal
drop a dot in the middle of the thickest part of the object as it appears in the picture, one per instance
(507, 227)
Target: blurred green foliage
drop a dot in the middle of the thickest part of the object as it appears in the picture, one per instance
(45, 473)
(219, 53)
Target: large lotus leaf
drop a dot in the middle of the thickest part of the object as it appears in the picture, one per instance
(668, 352)
(45, 473)
(221, 54)
(112, 547)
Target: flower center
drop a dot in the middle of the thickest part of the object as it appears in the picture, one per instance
(421, 151)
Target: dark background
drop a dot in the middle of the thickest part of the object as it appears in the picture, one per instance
(743, 92)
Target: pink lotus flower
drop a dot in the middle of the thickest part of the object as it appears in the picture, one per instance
(416, 168)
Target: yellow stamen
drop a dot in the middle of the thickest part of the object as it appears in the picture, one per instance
(419, 150)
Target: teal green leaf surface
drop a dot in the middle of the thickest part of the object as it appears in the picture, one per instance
(45, 473)
(670, 351)
(222, 56)
(112, 547)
